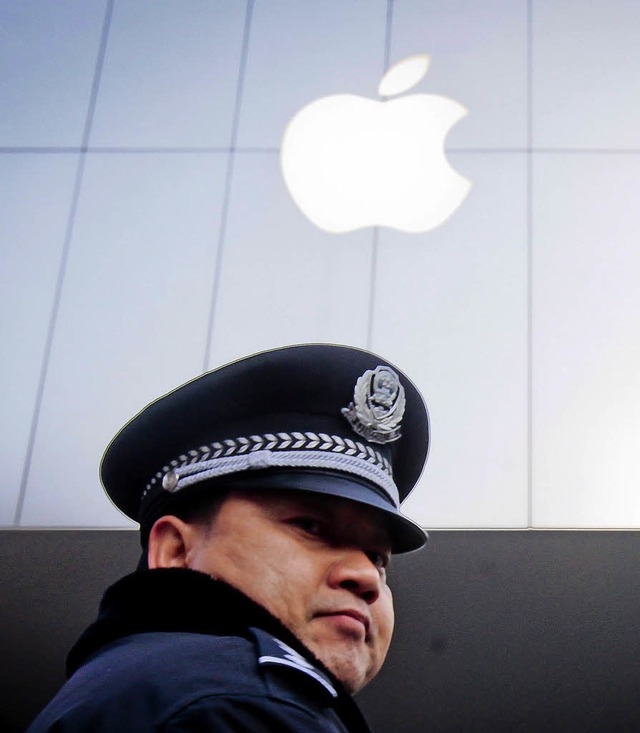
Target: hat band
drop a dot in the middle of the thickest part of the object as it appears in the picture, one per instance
(283, 450)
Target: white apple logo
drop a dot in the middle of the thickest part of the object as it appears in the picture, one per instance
(350, 162)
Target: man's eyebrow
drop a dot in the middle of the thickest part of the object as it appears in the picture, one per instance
(292, 506)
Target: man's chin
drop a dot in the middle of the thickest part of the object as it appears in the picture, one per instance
(348, 665)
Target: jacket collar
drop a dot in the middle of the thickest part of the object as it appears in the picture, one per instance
(183, 600)
(179, 600)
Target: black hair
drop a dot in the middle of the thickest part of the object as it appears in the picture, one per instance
(199, 509)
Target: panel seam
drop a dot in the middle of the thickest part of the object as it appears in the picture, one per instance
(222, 232)
(64, 258)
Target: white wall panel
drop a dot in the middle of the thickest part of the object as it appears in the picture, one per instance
(35, 198)
(451, 306)
(283, 280)
(586, 74)
(451, 309)
(170, 74)
(48, 55)
(478, 57)
(133, 319)
(300, 51)
(586, 356)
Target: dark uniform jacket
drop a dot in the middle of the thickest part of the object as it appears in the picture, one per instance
(174, 650)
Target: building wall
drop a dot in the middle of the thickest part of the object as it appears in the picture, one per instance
(505, 631)
(146, 235)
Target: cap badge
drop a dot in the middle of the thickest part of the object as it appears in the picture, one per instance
(378, 406)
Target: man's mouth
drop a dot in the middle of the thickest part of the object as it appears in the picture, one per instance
(346, 614)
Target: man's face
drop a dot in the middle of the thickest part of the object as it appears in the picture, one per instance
(317, 564)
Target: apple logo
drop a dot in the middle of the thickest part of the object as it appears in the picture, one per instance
(351, 162)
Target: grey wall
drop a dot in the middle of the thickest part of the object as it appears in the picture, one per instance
(497, 631)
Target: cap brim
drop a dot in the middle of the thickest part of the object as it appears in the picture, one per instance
(405, 534)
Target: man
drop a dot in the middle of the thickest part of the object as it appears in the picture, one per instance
(268, 495)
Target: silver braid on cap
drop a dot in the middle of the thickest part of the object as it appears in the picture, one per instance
(280, 450)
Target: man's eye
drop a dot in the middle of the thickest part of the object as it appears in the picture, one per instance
(307, 524)
(379, 559)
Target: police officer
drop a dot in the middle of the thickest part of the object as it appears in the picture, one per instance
(268, 495)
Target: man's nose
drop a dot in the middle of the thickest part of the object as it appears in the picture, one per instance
(354, 571)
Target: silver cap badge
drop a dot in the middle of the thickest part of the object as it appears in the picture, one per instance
(378, 406)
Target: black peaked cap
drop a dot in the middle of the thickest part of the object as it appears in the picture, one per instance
(288, 418)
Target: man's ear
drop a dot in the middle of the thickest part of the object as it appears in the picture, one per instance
(170, 542)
